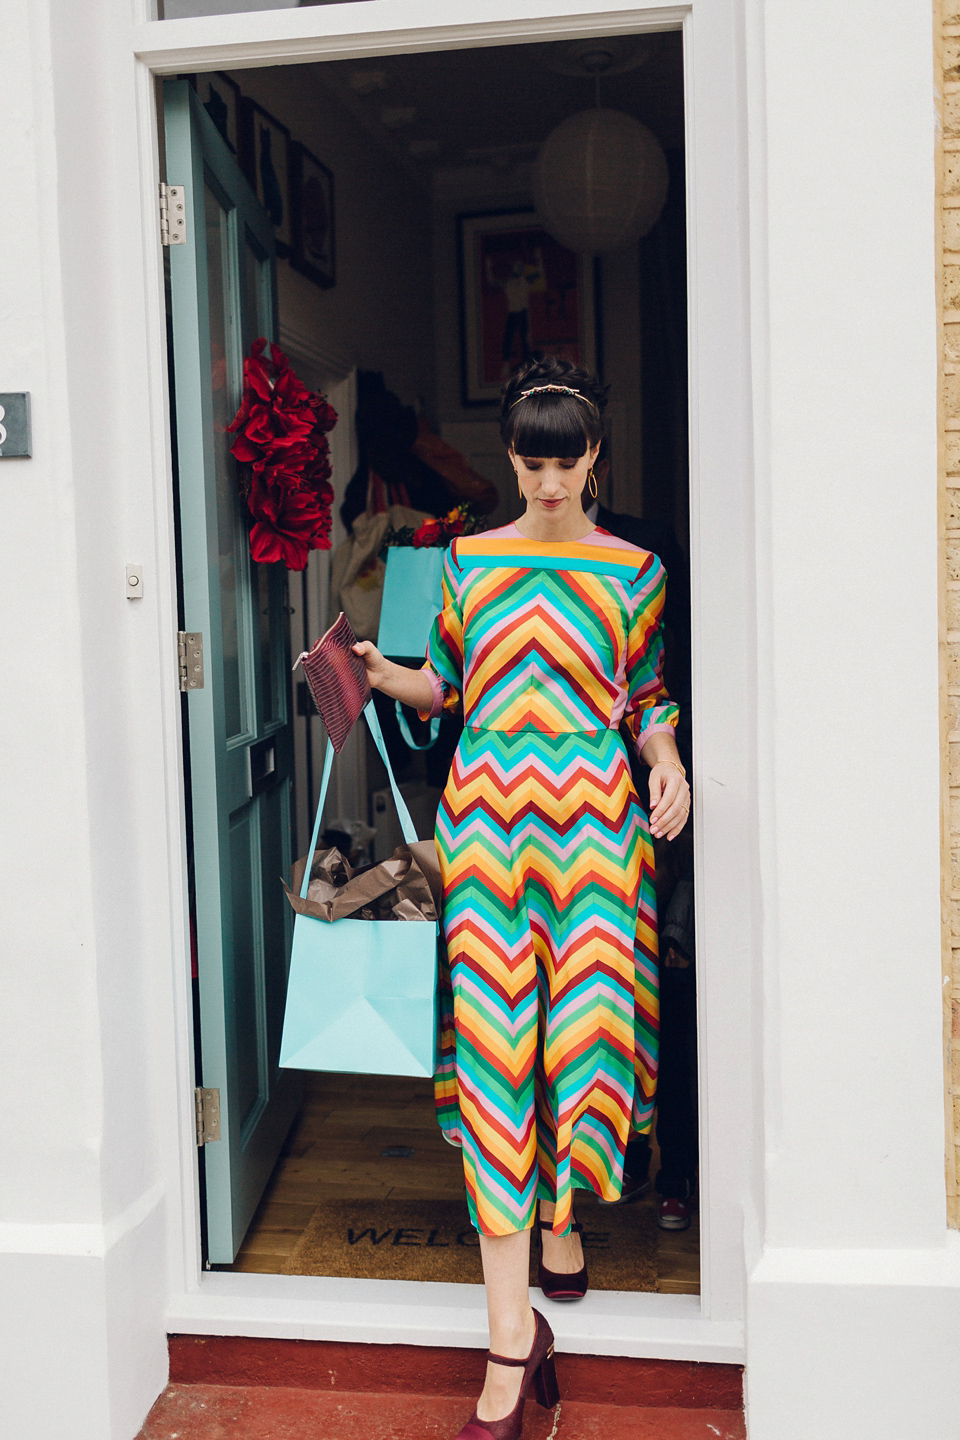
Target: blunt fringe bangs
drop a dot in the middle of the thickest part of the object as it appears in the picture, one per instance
(545, 427)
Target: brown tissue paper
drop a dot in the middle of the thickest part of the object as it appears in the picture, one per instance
(405, 887)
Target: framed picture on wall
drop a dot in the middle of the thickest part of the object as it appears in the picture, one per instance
(220, 97)
(520, 292)
(265, 159)
(313, 222)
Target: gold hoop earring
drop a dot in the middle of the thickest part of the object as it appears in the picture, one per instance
(519, 486)
(592, 483)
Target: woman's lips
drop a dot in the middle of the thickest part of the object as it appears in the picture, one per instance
(552, 504)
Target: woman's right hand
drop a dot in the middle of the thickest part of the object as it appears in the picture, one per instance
(410, 687)
(377, 666)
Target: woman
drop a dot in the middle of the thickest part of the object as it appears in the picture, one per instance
(550, 630)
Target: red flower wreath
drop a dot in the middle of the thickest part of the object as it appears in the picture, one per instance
(282, 433)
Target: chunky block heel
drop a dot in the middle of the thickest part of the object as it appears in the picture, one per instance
(545, 1382)
(561, 1287)
(538, 1371)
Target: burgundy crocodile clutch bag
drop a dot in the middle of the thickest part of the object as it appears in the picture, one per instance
(337, 679)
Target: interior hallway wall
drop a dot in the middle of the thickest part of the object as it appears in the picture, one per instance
(474, 429)
(663, 334)
(377, 315)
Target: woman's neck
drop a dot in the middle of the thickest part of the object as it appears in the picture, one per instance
(573, 526)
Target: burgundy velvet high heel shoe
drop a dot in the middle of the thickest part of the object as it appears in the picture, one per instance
(538, 1371)
(561, 1287)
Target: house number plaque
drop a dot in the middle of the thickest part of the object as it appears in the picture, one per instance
(14, 426)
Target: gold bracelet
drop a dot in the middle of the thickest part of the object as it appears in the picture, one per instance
(676, 765)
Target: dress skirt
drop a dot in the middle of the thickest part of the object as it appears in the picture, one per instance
(549, 991)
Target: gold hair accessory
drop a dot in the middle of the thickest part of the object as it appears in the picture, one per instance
(592, 482)
(554, 390)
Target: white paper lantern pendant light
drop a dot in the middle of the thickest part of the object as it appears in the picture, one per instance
(600, 181)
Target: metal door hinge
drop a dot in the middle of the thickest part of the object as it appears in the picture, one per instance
(190, 656)
(173, 215)
(208, 1115)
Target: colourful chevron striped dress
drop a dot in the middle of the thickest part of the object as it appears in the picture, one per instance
(549, 1031)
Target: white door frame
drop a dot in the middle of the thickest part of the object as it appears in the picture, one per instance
(724, 680)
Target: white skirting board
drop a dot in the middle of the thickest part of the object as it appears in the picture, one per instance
(854, 1344)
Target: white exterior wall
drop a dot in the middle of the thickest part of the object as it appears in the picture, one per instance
(847, 606)
(82, 1235)
(853, 1311)
(851, 1289)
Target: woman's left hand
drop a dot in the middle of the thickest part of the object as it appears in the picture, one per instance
(669, 800)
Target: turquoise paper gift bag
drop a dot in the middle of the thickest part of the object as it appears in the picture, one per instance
(362, 994)
(412, 599)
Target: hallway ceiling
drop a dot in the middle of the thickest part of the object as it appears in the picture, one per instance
(496, 105)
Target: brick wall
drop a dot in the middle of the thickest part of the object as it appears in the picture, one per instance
(947, 20)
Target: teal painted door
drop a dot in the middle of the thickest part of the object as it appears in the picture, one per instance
(223, 295)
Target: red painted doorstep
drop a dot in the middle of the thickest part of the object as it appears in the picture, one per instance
(611, 1380)
(222, 1412)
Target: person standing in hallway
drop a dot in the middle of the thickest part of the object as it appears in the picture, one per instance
(658, 537)
(677, 1119)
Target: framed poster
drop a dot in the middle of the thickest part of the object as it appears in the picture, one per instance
(313, 226)
(265, 160)
(521, 293)
(220, 97)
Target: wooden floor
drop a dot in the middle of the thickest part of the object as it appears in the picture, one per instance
(336, 1151)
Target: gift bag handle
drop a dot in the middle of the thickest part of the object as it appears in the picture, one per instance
(405, 730)
(406, 823)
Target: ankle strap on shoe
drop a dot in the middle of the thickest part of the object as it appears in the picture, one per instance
(575, 1229)
(505, 1359)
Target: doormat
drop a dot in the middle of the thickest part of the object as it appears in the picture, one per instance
(434, 1240)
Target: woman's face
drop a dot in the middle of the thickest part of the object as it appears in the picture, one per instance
(553, 487)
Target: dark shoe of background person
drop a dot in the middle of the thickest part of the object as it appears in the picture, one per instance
(539, 1372)
(636, 1172)
(558, 1286)
(673, 1213)
(633, 1188)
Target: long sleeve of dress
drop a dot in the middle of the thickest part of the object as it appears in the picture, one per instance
(649, 708)
(444, 662)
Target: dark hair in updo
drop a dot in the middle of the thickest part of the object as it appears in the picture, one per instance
(549, 425)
